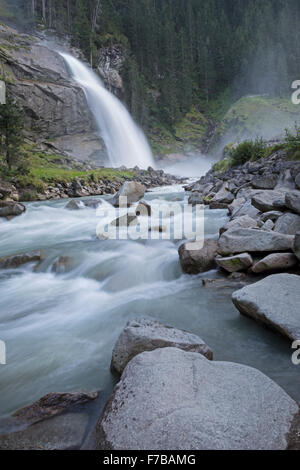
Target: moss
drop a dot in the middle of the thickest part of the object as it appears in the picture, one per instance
(44, 169)
(254, 116)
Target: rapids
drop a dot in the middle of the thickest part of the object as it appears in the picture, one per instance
(60, 329)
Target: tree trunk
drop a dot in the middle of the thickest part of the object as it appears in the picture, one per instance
(44, 11)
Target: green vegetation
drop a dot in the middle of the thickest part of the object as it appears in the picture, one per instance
(193, 55)
(248, 150)
(292, 143)
(11, 135)
(253, 116)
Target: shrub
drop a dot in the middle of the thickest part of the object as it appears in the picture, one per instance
(292, 140)
(248, 150)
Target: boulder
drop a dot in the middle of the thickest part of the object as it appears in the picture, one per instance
(237, 203)
(266, 201)
(146, 335)
(169, 399)
(292, 201)
(74, 205)
(126, 220)
(196, 198)
(240, 222)
(198, 257)
(11, 209)
(223, 196)
(8, 190)
(245, 209)
(131, 190)
(218, 205)
(143, 209)
(288, 223)
(61, 265)
(253, 240)
(274, 301)
(296, 246)
(297, 181)
(268, 225)
(58, 421)
(275, 262)
(272, 215)
(265, 181)
(236, 263)
(13, 262)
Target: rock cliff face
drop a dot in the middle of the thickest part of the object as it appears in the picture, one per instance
(111, 60)
(55, 107)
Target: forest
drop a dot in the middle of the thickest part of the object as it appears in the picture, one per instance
(188, 52)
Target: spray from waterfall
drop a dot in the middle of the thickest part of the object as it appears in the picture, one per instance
(125, 142)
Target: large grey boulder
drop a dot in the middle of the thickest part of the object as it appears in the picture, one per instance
(146, 335)
(11, 209)
(198, 257)
(169, 399)
(268, 181)
(240, 222)
(266, 201)
(275, 262)
(236, 204)
(233, 264)
(131, 190)
(288, 223)
(246, 209)
(196, 198)
(58, 421)
(292, 201)
(223, 196)
(296, 246)
(253, 240)
(274, 301)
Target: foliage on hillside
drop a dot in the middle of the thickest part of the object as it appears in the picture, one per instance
(186, 52)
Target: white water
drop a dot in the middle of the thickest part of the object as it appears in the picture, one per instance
(125, 142)
(60, 329)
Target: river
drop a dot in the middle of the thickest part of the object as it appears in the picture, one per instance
(60, 329)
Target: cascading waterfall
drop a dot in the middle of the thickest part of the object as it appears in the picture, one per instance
(125, 142)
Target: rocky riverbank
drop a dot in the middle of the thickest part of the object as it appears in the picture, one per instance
(263, 203)
(11, 194)
(167, 381)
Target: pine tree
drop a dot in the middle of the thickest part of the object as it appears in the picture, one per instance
(11, 133)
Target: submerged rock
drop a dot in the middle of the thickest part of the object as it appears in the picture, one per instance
(11, 209)
(131, 190)
(61, 265)
(198, 257)
(146, 335)
(12, 262)
(58, 421)
(169, 399)
(274, 301)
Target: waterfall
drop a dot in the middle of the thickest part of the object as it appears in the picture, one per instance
(125, 142)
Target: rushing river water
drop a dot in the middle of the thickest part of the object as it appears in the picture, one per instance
(60, 328)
